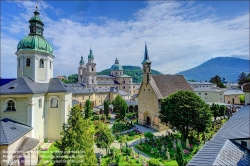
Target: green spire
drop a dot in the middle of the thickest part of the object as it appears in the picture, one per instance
(81, 61)
(146, 57)
(91, 56)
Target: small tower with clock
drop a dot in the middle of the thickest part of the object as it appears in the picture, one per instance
(91, 71)
(146, 66)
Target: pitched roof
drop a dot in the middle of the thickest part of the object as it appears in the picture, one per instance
(22, 85)
(235, 128)
(56, 85)
(164, 85)
(233, 92)
(27, 144)
(25, 85)
(11, 130)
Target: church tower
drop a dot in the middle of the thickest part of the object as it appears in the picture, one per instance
(91, 71)
(82, 72)
(146, 66)
(35, 54)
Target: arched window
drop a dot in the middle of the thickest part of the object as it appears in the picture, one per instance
(41, 63)
(34, 29)
(53, 103)
(28, 62)
(11, 106)
(40, 103)
(123, 81)
(92, 69)
(124, 87)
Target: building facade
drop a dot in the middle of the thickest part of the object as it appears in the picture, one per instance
(35, 99)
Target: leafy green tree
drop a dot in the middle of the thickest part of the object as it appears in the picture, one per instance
(217, 80)
(181, 111)
(180, 156)
(149, 135)
(87, 109)
(215, 110)
(242, 99)
(106, 108)
(120, 105)
(222, 110)
(77, 141)
(201, 124)
(103, 137)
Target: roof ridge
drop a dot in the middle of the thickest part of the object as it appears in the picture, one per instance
(3, 130)
(27, 83)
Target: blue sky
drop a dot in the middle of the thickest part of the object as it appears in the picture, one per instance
(180, 34)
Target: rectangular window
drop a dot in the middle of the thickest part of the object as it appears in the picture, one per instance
(89, 97)
(205, 93)
(159, 104)
(50, 65)
(199, 93)
(83, 97)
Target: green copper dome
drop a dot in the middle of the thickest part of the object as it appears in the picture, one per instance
(91, 56)
(116, 66)
(35, 42)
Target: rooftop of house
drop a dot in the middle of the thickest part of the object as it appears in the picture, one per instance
(235, 128)
(25, 85)
(10, 131)
(234, 92)
(164, 85)
(209, 89)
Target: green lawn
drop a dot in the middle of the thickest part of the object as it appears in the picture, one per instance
(47, 156)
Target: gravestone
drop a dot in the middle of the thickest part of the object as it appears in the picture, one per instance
(168, 155)
(174, 145)
(187, 143)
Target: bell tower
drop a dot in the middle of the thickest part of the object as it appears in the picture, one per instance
(34, 53)
(146, 66)
(91, 71)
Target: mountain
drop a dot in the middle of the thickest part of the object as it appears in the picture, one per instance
(225, 67)
(134, 71)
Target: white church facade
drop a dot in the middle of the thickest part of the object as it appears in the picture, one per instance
(35, 105)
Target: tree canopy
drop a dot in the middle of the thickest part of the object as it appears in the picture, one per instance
(106, 108)
(184, 110)
(103, 136)
(77, 141)
(243, 78)
(120, 105)
(217, 80)
(87, 109)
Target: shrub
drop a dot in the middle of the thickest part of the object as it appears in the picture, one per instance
(112, 150)
(153, 162)
(46, 140)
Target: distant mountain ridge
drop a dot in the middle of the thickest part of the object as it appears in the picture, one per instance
(225, 67)
(134, 71)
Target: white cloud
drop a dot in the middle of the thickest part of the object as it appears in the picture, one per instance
(179, 36)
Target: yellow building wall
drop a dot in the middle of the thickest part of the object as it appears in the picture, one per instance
(148, 104)
(20, 115)
(229, 99)
(211, 96)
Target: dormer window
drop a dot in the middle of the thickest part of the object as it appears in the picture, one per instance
(41, 64)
